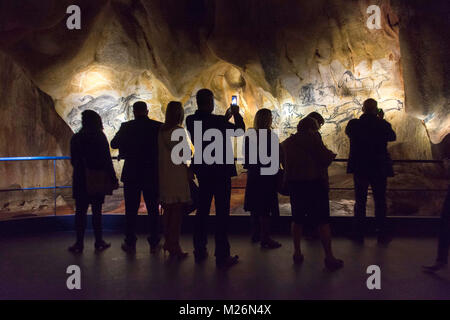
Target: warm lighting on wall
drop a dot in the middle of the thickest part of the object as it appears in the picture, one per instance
(94, 78)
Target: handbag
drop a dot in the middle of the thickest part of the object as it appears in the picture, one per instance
(282, 185)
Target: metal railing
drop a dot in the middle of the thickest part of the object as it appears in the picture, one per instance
(55, 187)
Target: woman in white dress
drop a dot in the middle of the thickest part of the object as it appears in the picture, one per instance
(174, 188)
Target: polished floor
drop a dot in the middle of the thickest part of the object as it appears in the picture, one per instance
(34, 267)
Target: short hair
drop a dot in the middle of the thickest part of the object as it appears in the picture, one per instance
(174, 114)
(91, 120)
(140, 107)
(263, 119)
(307, 124)
(203, 97)
(370, 106)
(317, 116)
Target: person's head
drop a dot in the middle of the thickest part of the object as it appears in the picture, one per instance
(318, 117)
(205, 100)
(307, 125)
(91, 120)
(140, 109)
(263, 119)
(370, 106)
(174, 114)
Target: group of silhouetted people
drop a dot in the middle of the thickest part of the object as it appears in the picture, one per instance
(146, 146)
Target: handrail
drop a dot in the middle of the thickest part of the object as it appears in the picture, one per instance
(55, 187)
(115, 158)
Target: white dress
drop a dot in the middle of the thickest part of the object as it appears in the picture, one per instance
(173, 178)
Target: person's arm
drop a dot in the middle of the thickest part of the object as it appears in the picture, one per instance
(109, 167)
(74, 151)
(324, 155)
(349, 129)
(238, 120)
(117, 140)
(390, 133)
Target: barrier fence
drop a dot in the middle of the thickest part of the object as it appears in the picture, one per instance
(55, 187)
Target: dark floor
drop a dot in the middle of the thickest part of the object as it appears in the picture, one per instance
(34, 267)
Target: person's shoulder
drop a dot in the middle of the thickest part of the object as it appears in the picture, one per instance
(155, 123)
(353, 122)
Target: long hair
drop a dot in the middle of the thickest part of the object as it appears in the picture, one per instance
(91, 121)
(263, 119)
(174, 114)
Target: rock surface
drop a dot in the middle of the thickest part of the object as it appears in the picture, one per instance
(292, 57)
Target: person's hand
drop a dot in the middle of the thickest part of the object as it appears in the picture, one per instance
(380, 114)
(234, 109)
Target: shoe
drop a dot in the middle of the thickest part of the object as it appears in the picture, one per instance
(270, 244)
(333, 264)
(435, 267)
(298, 259)
(101, 246)
(76, 248)
(128, 248)
(227, 263)
(200, 256)
(256, 238)
(176, 253)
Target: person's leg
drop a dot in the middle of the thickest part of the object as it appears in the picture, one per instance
(151, 202)
(298, 218)
(97, 221)
(201, 217)
(361, 185)
(100, 244)
(266, 241)
(222, 197)
(167, 213)
(255, 227)
(296, 230)
(379, 184)
(81, 207)
(132, 195)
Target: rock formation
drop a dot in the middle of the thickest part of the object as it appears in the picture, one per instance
(291, 56)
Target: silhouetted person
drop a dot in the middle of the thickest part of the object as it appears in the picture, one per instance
(137, 141)
(214, 179)
(370, 164)
(444, 231)
(174, 191)
(261, 195)
(89, 149)
(305, 160)
(309, 232)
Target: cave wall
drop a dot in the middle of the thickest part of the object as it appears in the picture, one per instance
(293, 57)
(30, 127)
(290, 56)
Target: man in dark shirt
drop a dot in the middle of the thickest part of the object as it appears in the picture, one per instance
(370, 164)
(137, 141)
(214, 179)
